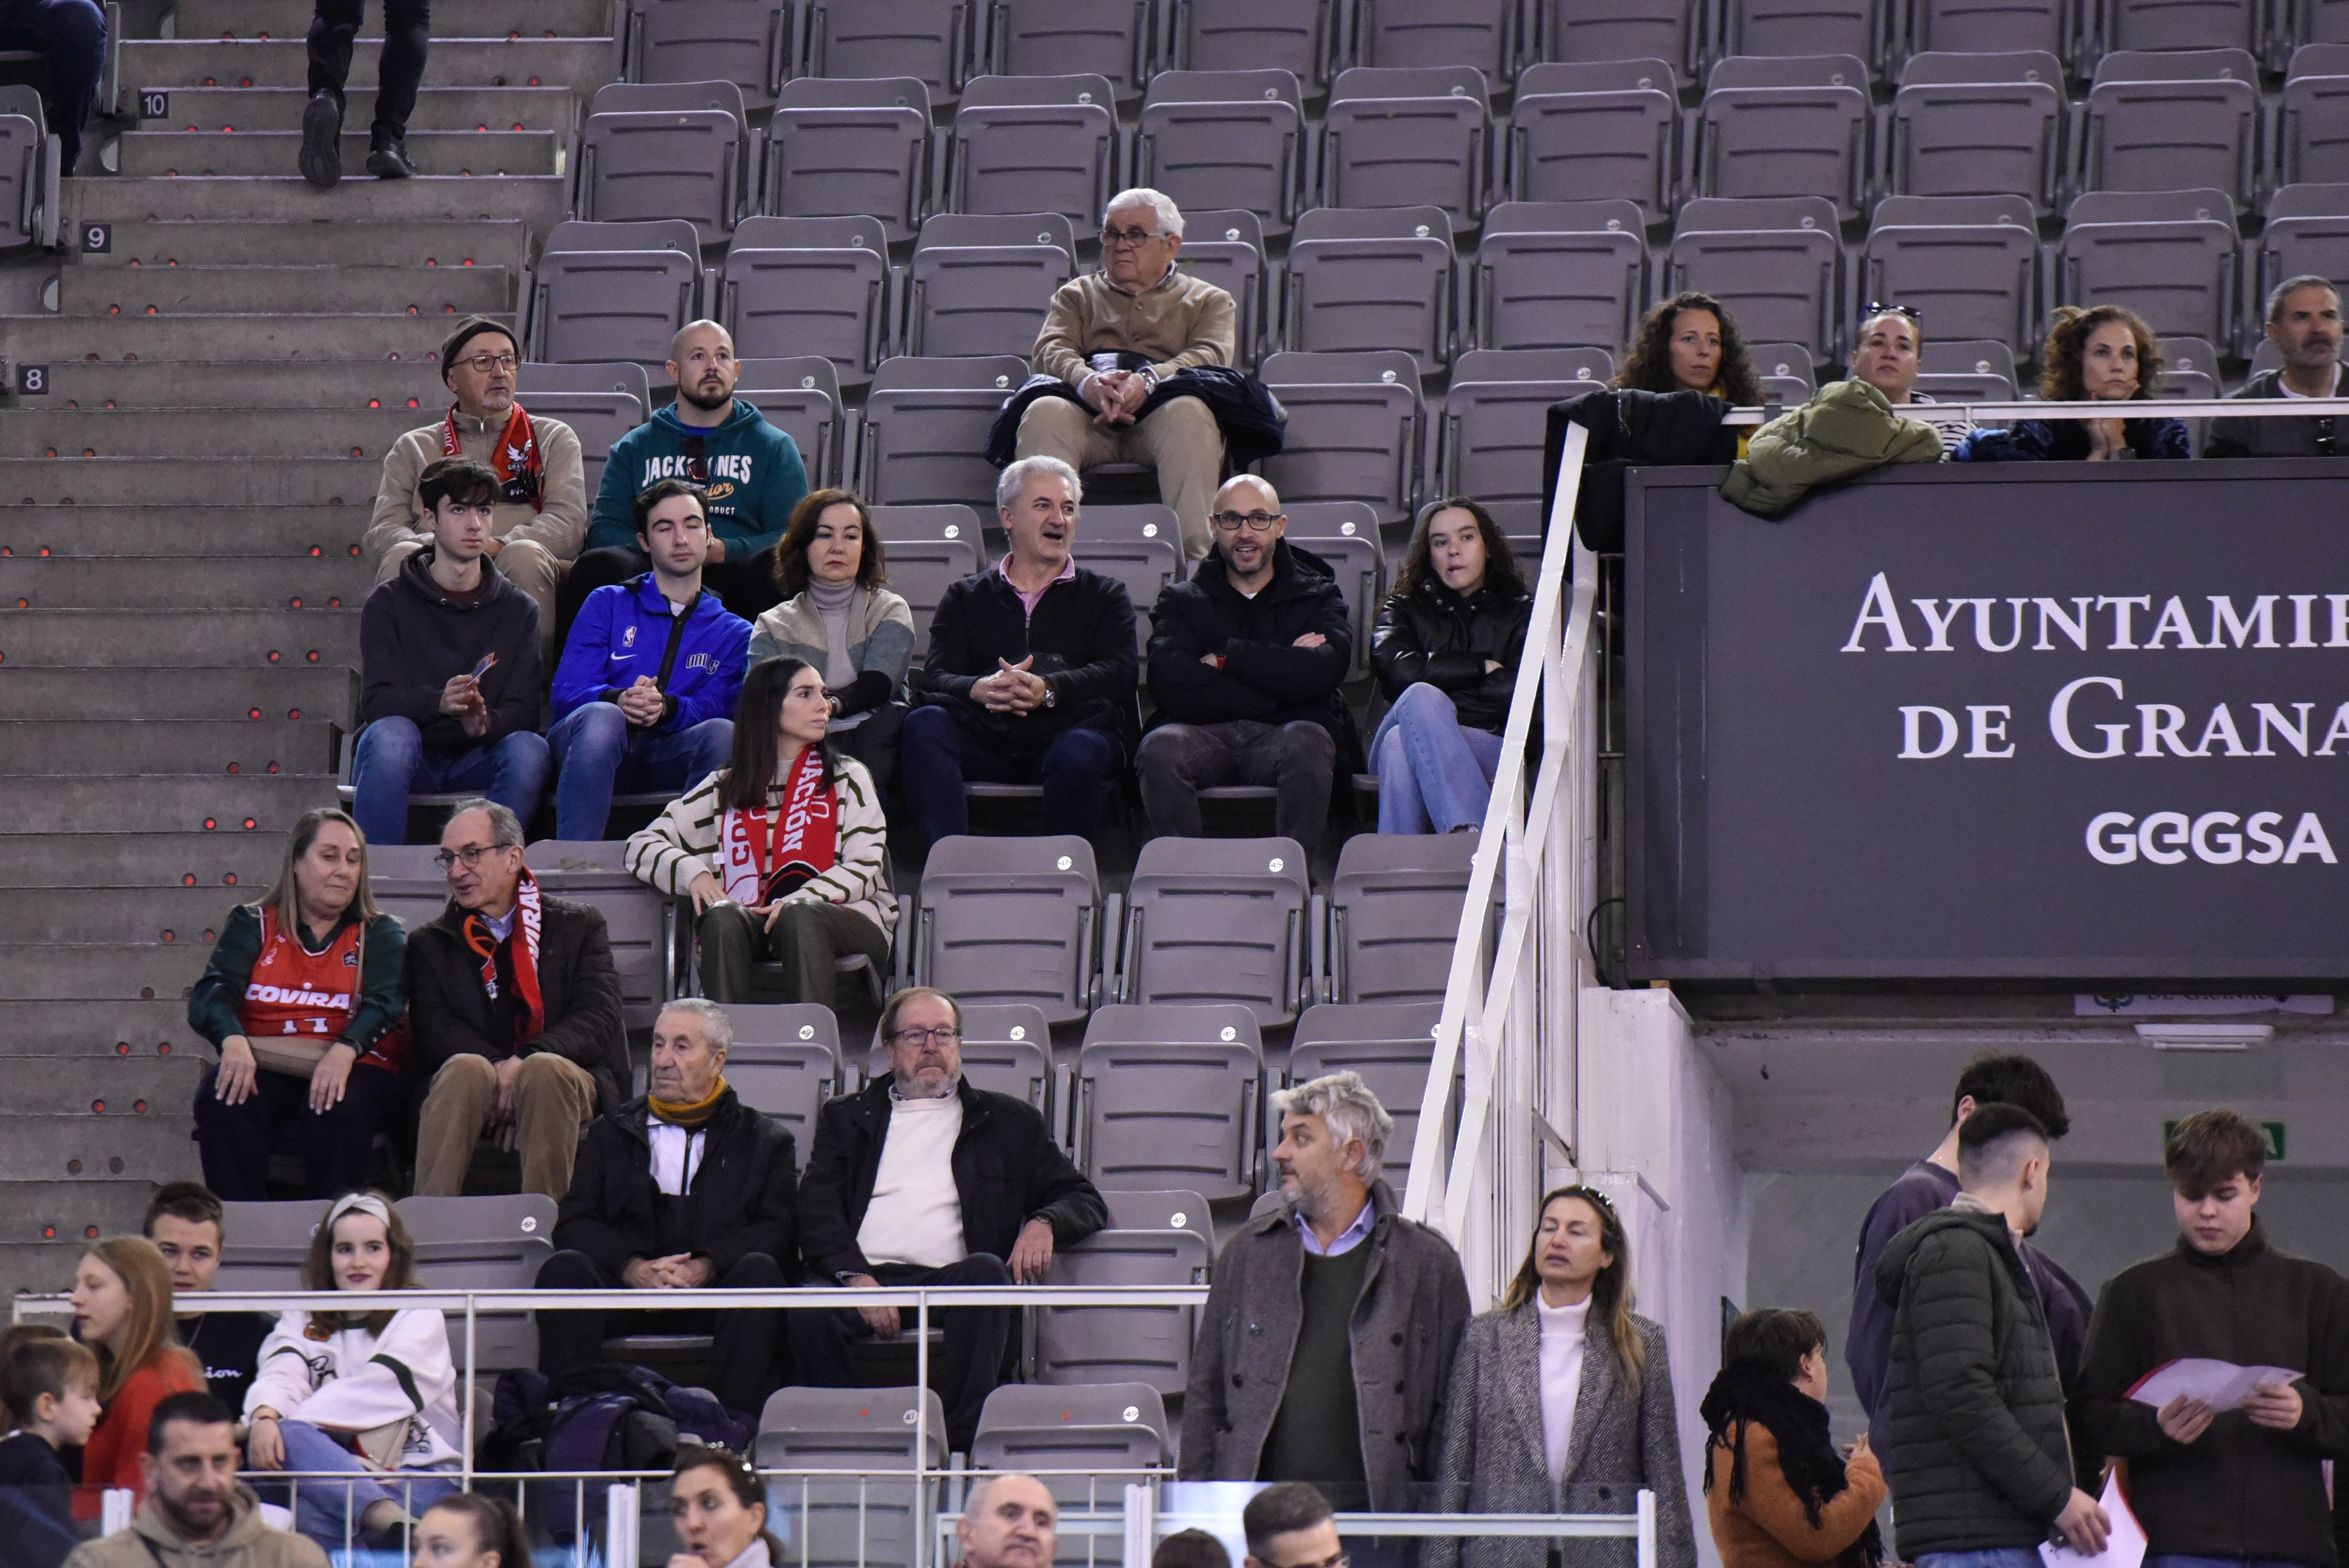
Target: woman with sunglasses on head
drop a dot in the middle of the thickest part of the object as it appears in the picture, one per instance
(306, 999)
(2103, 353)
(1561, 1402)
(1887, 353)
(720, 1511)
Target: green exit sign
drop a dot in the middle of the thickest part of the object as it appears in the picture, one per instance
(2272, 1130)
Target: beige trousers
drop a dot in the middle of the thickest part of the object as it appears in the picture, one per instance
(553, 1098)
(533, 567)
(1179, 439)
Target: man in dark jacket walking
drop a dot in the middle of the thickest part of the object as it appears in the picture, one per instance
(1030, 675)
(514, 1009)
(1984, 1468)
(450, 694)
(2244, 1483)
(2303, 322)
(923, 1179)
(684, 1189)
(1246, 660)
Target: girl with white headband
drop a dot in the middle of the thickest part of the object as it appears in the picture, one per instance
(367, 1395)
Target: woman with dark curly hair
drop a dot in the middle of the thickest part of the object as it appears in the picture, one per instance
(1691, 344)
(2099, 354)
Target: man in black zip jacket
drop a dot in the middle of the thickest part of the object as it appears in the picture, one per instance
(2246, 1483)
(1031, 672)
(923, 1179)
(683, 1188)
(1246, 660)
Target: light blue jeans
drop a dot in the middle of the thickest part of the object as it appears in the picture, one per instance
(1435, 773)
(390, 760)
(596, 754)
(1990, 1557)
(320, 1506)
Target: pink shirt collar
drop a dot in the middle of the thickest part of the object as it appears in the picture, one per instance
(1068, 574)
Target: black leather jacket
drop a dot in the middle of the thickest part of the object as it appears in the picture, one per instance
(1436, 635)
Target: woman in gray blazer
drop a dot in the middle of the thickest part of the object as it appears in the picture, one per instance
(1561, 1402)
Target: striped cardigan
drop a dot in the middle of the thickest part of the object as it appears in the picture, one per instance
(682, 843)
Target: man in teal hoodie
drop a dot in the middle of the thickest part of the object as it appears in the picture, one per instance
(750, 471)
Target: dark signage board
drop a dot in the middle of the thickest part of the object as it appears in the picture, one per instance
(2053, 721)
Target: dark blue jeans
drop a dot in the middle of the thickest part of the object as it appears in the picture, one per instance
(234, 1140)
(596, 753)
(407, 38)
(390, 762)
(71, 35)
(937, 753)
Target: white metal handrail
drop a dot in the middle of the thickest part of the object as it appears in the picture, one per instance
(2129, 408)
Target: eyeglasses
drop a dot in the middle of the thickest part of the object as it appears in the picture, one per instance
(482, 364)
(1129, 236)
(1879, 307)
(696, 459)
(471, 854)
(1254, 521)
(948, 1036)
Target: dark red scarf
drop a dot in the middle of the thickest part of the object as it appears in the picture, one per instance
(761, 859)
(484, 943)
(520, 466)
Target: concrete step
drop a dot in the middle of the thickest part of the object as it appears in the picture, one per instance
(412, 384)
(247, 432)
(174, 639)
(483, 18)
(162, 802)
(67, 1086)
(154, 1146)
(211, 152)
(72, 1209)
(196, 689)
(199, 746)
(234, 865)
(447, 292)
(128, 1028)
(173, 916)
(99, 532)
(221, 481)
(164, 583)
(537, 200)
(557, 109)
(52, 340)
(193, 243)
(145, 973)
(582, 65)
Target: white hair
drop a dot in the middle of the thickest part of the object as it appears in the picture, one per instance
(717, 1028)
(1015, 478)
(1170, 216)
(1345, 1103)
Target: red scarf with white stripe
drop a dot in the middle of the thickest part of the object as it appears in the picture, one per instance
(528, 918)
(762, 856)
(516, 459)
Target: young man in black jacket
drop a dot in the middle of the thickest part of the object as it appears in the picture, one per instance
(1246, 660)
(1031, 672)
(683, 1188)
(451, 695)
(2244, 1483)
(923, 1179)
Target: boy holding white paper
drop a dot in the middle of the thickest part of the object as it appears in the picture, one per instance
(2245, 1483)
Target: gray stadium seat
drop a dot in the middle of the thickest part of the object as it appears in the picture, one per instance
(1409, 135)
(929, 549)
(614, 376)
(747, 42)
(272, 1239)
(930, 40)
(1354, 430)
(1943, 387)
(1011, 920)
(858, 1520)
(1390, 1043)
(484, 1243)
(1371, 279)
(1168, 1096)
(1967, 356)
(1479, 33)
(2189, 367)
(1776, 263)
(1027, 144)
(1224, 139)
(2295, 243)
(1140, 546)
(1166, 1211)
(590, 306)
(2163, 121)
(852, 149)
(1992, 25)
(830, 301)
(2313, 127)
(1783, 28)
(1558, 275)
(925, 425)
(1967, 137)
(1395, 914)
(1096, 1427)
(1295, 36)
(1052, 229)
(651, 234)
(786, 1062)
(642, 923)
(1006, 1047)
(405, 880)
(597, 419)
(801, 397)
(1969, 280)
(1587, 131)
(1345, 535)
(1626, 30)
(672, 164)
(1788, 363)
(1496, 420)
(2180, 273)
(1786, 141)
(1097, 1344)
(1110, 38)
(20, 178)
(1235, 266)
(2169, 24)
(1218, 921)
(725, 96)
(970, 300)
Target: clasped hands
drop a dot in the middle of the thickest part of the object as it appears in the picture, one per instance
(642, 704)
(1115, 395)
(1012, 688)
(678, 1271)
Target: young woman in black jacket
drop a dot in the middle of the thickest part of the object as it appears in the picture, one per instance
(1446, 652)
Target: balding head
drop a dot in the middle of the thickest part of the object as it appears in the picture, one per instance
(701, 363)
(1247, 523)
(1008, 1521)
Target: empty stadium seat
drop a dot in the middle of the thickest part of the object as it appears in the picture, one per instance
(1011, 920)
(2167, 121)
(852, 149)
(587, 306)
(1979, 125)
(1987, 26)
(612, 375)
(1496, 420)
(1586, 131)
(924, 428)
(1006, 1047)
(1967, 356)
(1558, 275)
(1140, 546)
(272, 1239)
(785, 1062)
(801, 397)
(2172, 257)
(1970, 264)
(809, 290)
(684, 163)
(407, 882)
(2189, 369)
(483, 1244)
(1409, 135)
(1111, 38)
(1345, 535)
(597, 419)
(1354, 430)
(929, 549)
(929, 40)
(1224, 246)
(1787, 374)
(1168, 1096)
(1783, 138)
(747, 42)
(1373, 279)
(1389, 1044)
(21, 180)
(984, 292)
(1225, 139)
(1112, 1344)
(1626, 30)
(2307, 232)
(1777, 263)
(1217, 920)
(1027, 144)
(1299, 36)
(641, 924)
(721, 95)
(1172, 1210)
(2313, 118)
(858, 1520)
(1394, 911)
(1787, 28)
(1096, 1427)
(653, 234)
(2172, 25)
(1478, 33)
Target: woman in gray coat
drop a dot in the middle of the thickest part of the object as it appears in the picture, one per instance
(1561, 1402)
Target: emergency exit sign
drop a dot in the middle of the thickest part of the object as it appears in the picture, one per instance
(2271, 1131)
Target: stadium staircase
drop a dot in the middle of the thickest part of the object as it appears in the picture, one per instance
(225, 355)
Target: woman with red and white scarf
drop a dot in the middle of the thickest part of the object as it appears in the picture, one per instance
(785, 851)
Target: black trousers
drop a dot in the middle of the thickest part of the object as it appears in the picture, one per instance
(743, 1361)
(406, 34)
(746, 587)
(973, 1335)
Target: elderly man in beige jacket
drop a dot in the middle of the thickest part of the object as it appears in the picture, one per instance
(540, 520)
(1139, 303)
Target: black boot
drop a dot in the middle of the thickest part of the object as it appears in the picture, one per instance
(388, 156)
(322, 141)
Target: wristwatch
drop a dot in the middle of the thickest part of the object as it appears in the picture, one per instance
(1052, 697)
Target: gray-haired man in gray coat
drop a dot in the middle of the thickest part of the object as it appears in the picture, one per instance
(1331, 1314)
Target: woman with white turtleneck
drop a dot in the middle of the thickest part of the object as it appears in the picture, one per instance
(837, 618)
(720, 1511)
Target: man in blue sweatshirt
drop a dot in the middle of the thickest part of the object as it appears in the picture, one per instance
(644, 695)
(749, 473)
